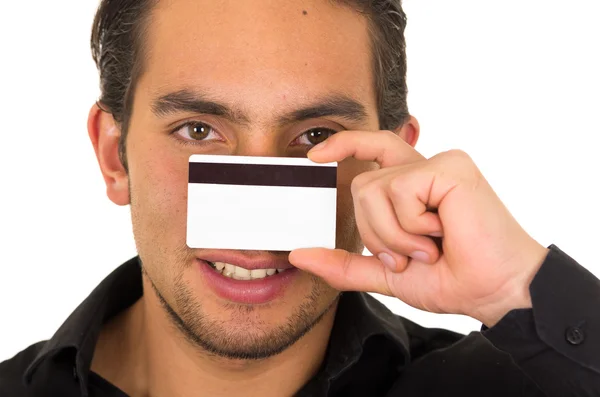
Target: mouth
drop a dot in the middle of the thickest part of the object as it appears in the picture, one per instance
(239, 273)
(253, 282)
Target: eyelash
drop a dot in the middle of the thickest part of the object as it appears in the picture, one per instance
(190, 124)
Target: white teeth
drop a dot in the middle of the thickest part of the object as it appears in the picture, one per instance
(239, 273)
(229, 270)
(258, 273)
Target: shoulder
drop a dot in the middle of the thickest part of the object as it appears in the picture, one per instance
(449, 351)
(13, 369)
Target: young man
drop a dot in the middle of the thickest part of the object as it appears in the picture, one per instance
(275, 78)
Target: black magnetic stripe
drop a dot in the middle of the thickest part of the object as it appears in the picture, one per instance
(263, 175)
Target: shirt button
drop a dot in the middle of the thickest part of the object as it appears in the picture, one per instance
(575, 336)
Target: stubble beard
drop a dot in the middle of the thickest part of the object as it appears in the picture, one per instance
(244, 336)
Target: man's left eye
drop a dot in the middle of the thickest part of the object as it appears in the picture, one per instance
(315, 136)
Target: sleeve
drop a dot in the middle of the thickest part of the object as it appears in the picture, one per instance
(557, 342)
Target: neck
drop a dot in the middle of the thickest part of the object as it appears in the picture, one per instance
(143, 353)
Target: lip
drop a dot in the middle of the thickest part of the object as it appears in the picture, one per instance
(247, 291)
(247, 262)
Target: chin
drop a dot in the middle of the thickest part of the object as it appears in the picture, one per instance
(235, 330)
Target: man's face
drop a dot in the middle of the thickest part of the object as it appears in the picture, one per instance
(262, 60)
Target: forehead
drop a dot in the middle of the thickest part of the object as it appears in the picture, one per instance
(259, 49)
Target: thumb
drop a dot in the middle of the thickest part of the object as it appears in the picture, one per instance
(343, 270)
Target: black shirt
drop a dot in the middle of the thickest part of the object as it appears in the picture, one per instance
(551, 350)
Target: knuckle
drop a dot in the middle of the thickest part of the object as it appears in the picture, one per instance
(398, 186)
(461, 164)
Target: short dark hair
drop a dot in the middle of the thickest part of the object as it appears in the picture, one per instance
(117, 48)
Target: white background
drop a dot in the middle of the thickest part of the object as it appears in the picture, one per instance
(514, 83)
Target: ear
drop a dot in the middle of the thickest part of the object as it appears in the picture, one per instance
(409, 131)
(105, 134)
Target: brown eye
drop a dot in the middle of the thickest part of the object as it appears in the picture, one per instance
(317, 135)
(196, 131)
(199, 131)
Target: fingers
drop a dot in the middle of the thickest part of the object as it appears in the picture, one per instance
(391, 258)
(384, 231)
(386, 234)
(343, 270)
(383, 147)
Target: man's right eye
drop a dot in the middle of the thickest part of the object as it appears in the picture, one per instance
(196, 131)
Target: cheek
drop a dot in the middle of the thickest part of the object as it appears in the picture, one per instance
(159, 193)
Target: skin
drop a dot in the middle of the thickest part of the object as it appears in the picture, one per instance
(265, 70)
(387, 196)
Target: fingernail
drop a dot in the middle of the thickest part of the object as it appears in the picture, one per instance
(318, 147)
(436, 234)
(420, 256)
(387, 260)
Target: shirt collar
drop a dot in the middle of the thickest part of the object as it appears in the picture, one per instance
(79, 333)
(359, 318)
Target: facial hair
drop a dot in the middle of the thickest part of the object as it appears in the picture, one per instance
(249, 338)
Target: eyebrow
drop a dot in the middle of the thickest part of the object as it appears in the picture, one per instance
(333, 105)
(336, 105)
(188, 101)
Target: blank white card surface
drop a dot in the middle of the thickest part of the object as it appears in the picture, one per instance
(260, 203)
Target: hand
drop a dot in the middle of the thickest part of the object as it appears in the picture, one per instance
(486, 262)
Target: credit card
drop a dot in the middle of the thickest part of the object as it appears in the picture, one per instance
(260, 203)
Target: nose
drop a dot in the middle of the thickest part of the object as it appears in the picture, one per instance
(260, 144)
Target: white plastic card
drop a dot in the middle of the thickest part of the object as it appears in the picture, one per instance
(260, 203)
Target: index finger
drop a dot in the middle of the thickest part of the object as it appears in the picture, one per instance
(383, 147)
